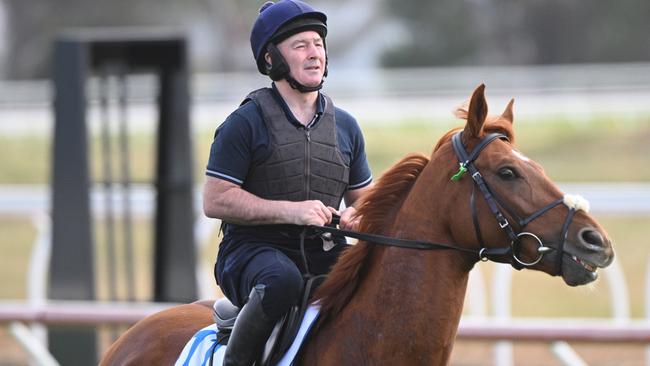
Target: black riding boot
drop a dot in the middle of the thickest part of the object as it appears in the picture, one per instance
(250, 333)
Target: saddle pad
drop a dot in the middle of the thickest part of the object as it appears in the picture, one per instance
(201, 347)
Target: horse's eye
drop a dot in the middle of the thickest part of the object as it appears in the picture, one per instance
(507, 174)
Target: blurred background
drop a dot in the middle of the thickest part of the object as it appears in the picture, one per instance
(363, 34)
(579, 71)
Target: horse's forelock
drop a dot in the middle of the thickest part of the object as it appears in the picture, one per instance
(462, 111)
(492, 124)
(500, 125)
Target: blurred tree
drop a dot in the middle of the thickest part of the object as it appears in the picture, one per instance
(433, 32)
(33, 24)
(441, 31)
(472, 32)
(589, 30)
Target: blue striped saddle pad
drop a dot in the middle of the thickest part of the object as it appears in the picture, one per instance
(204, 350)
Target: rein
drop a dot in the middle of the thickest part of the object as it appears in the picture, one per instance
(466, 163)
(388, 240)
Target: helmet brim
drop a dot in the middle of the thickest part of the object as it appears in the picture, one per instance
(299, 25)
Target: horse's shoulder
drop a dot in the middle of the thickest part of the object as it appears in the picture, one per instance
(142, 343)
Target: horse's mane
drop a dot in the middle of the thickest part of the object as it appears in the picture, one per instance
(377, 209)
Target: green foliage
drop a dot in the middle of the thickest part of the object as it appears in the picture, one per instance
(451, 32)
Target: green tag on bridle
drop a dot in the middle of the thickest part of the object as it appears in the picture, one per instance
(461, 171)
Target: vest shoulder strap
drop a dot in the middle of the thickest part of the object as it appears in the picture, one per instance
(268, 105)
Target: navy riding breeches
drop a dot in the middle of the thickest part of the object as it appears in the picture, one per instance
(276, 267)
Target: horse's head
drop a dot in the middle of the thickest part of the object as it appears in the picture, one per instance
(519, 215)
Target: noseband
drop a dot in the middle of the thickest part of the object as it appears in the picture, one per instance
(467, 165)
(466, 162)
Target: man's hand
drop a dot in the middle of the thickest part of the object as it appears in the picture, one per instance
(310, 213)
(349, 220)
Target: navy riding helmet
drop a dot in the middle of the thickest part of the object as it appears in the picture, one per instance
(275, 23)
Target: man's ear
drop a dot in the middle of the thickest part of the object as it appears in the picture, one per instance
(280, 70)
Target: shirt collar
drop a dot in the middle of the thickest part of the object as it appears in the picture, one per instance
(320, 106)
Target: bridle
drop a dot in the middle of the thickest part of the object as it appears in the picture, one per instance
(466, 162)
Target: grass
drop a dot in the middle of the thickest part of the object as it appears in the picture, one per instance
(602, 149)
(605, 148)
(24, 160)
(608, 150)
(16, 240)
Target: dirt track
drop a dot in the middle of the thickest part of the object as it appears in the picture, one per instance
(476, 353)
(466, 353)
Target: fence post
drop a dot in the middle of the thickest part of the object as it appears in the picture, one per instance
(72, 275)
(78, 55)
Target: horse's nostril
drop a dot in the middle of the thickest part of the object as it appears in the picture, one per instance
(592, 237)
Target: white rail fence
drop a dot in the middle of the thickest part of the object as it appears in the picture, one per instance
(500, 327)
(373, 95)
(491, 329)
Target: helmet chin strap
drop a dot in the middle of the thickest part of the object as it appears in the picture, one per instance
(303, 88)
(280, 70)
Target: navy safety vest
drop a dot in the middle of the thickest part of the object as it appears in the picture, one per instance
(304, 163)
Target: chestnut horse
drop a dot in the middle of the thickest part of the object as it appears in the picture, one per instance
(401, 306)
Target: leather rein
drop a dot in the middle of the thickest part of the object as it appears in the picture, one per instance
(466, 165)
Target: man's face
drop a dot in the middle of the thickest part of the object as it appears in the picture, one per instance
(305, 55)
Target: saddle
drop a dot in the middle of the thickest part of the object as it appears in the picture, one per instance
(225, 314)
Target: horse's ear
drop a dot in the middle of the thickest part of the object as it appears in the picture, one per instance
(477, 112)
(507, 114)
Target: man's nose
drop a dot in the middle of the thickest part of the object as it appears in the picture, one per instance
(312, 50)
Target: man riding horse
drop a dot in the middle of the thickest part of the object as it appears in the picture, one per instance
(284, 159)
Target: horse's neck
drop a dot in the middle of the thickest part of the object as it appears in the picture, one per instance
(419, 293)
(407, 309)
(406, 312)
